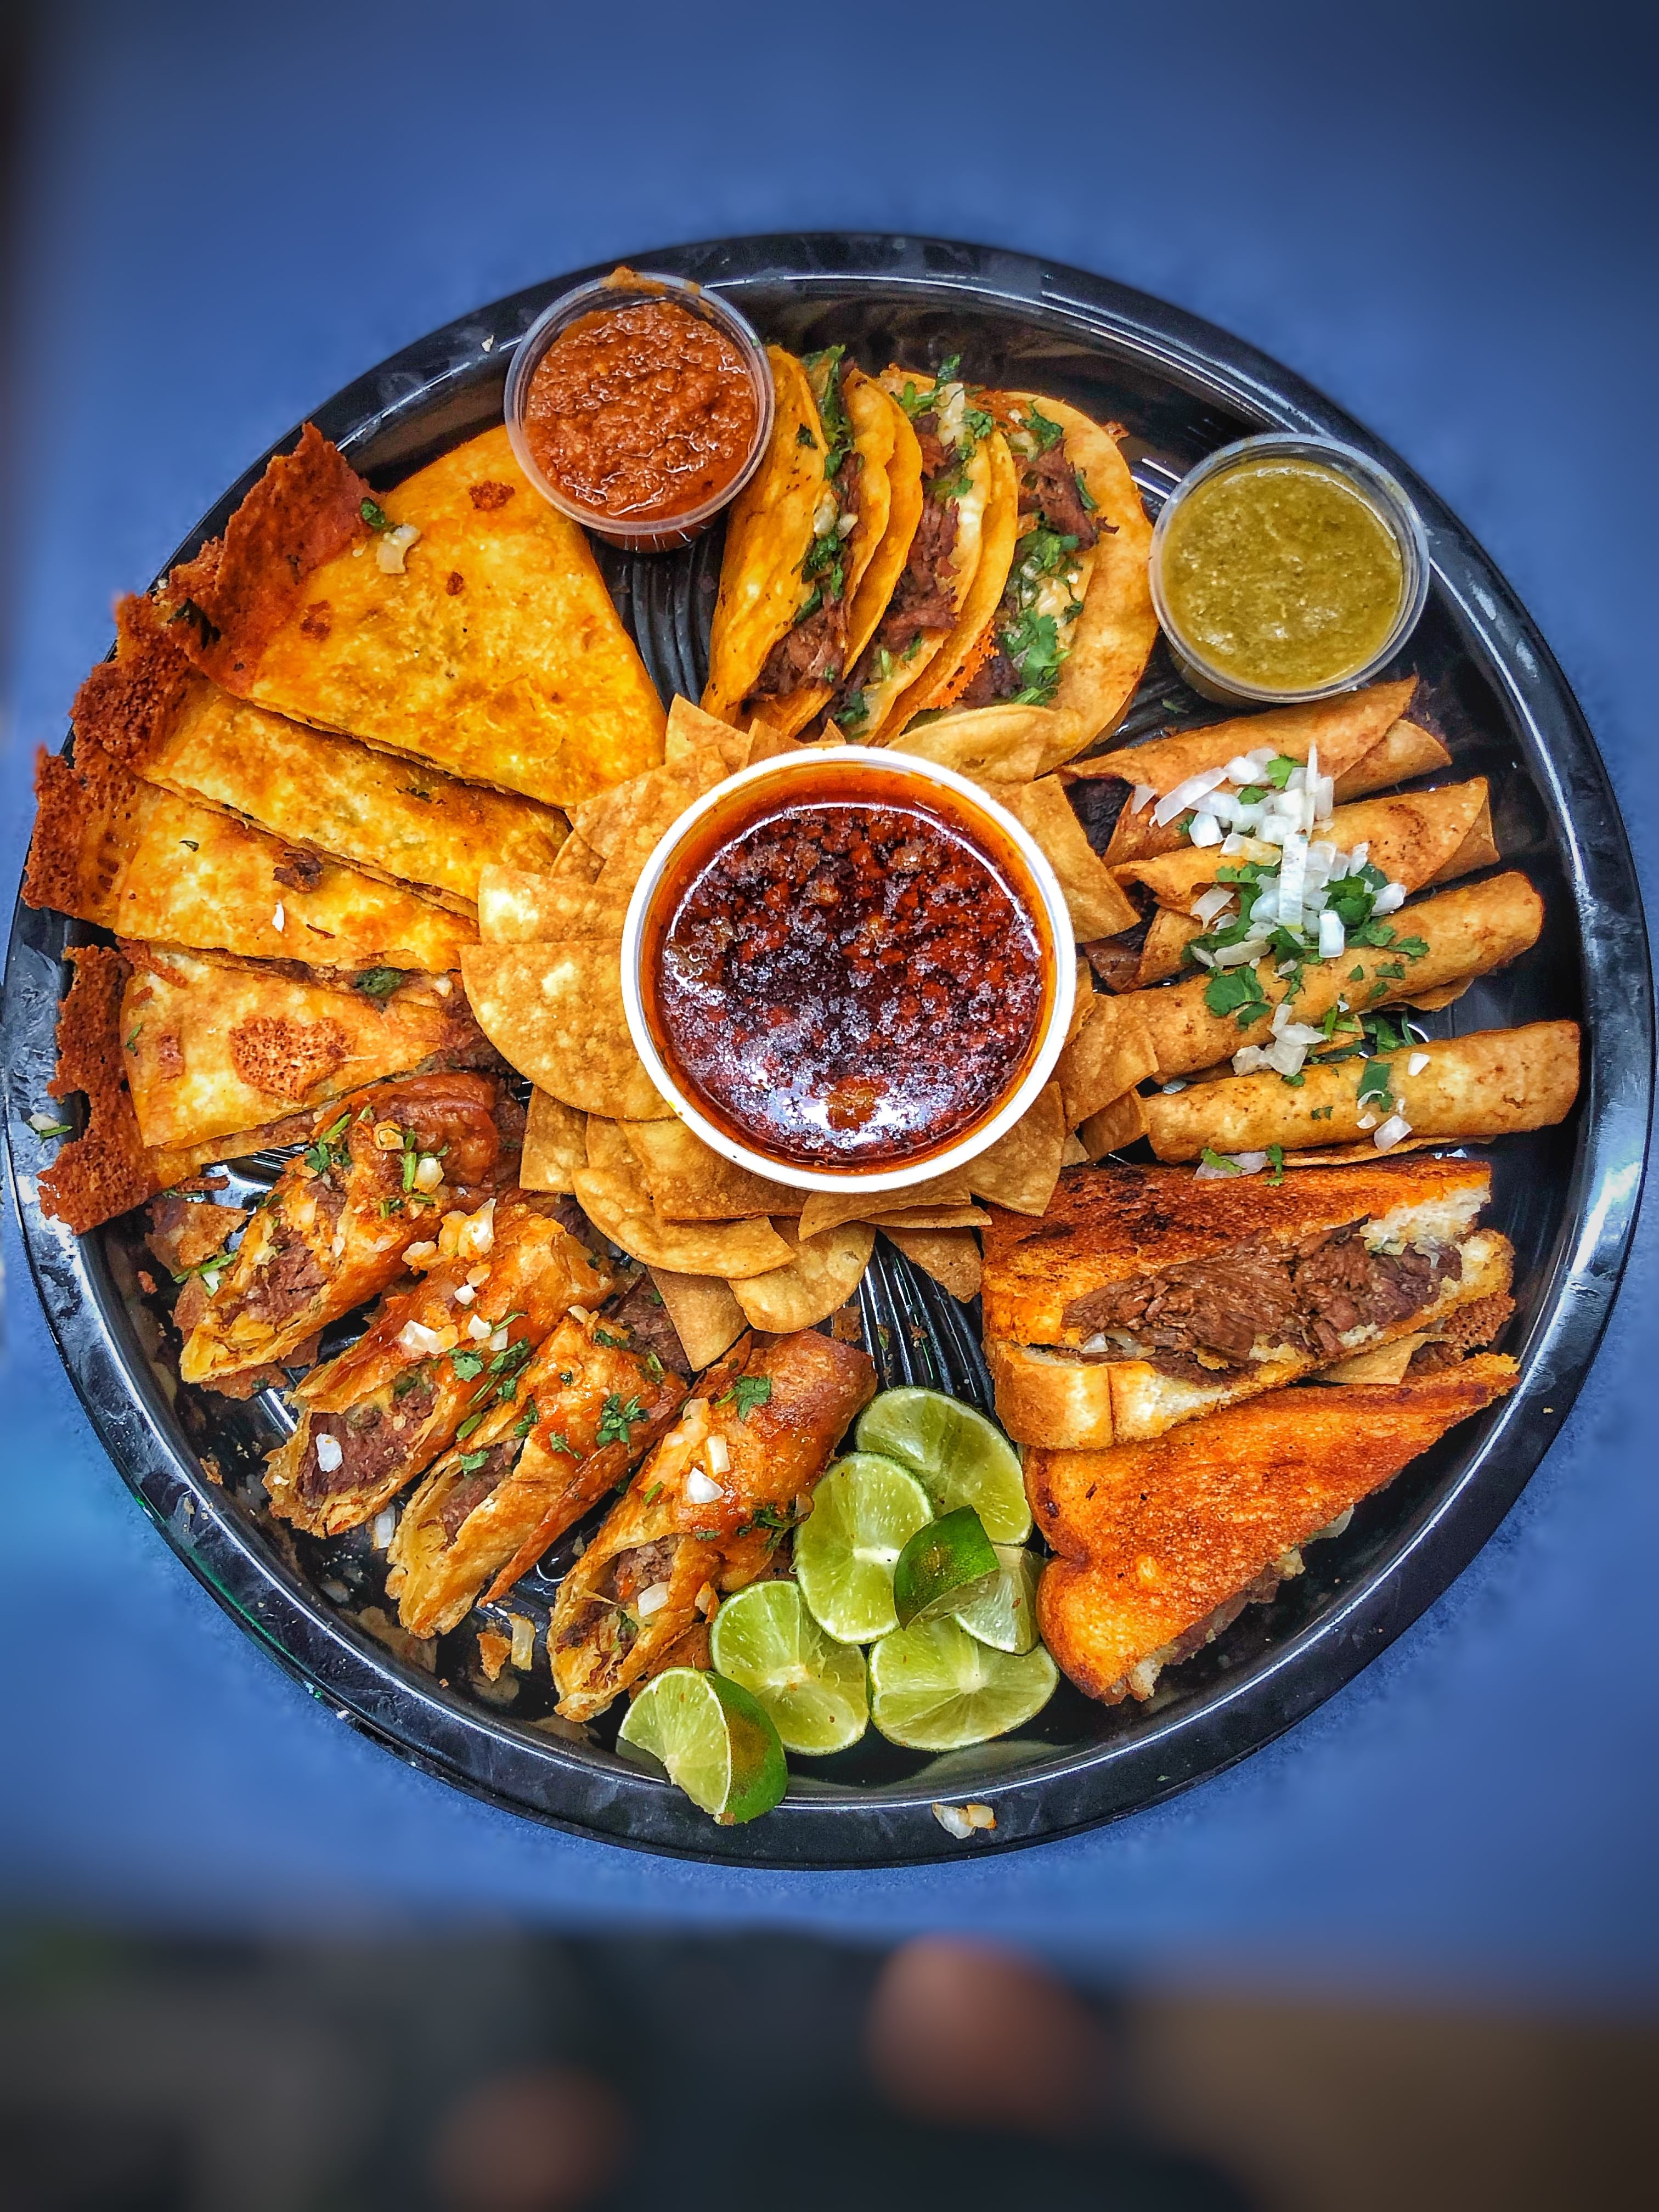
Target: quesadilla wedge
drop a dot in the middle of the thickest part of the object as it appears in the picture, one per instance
(460, 619)
(331, 1231)
(1162, 1544)
(1145, 1297)
(435, 1360)
(589, 1408)
(133, 859)
(956, 566)
(1075, 626)
(164, 722)
(704, 1513)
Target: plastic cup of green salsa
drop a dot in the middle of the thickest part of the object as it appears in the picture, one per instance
(1286, 568)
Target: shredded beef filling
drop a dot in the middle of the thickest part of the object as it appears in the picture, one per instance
(635, 1571)
(372, 1439)
(473, 1488)
(643, 1318)
(1048, 494)
(1201, 1319)
(815, 650)
(291, 1277)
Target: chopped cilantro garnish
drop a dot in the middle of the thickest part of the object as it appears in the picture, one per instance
(1220, 1161)
(618, 1421)
(1321, 1114)
(527, 1420)
(653, 1367)
(653, 1494)
(1375, 1084)
(1356, 976)
(1410, 948)
(557, 1441)
(43, 1128)
(1276, 1162)
(132, 1042)
(1280, 770)
(1238, 992)
(192, 843)
(328, 1151)
(374, 514)
(467, 1364)
(377, 982)
(468, 1426)
(604, 1336)
(1043, 432)
(470, 1462)
(1033, 645)
(746, 1393)
(804, 436)
(407, 1382)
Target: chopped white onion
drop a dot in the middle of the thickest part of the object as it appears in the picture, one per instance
(478, 1328)
(954, 1819)
(1360, 854)
(477, 1235)
(524, 1642)
(1171, 1089)
(719, 1454)
(1390, 898)
(1367, 1122)
(1239, 955)
(651, 1600)
(329, 1455)
(1324, 796)
(429, 1172)
(1391, 1132)
(1332, 938)
(1232, 844)
(499, 1340)
(1188, 794)
(1142, 797)
(1205, 959)
(1242, 1164)
(702, 1489)
(279, 917)
(1212, 903)
(386, 1527)
(1417, 1063)
(421, 1342)
(1240, 769)
(1205, 829)
(465, 1295)
(415, 1255)
(392, 546)
(980, 1816)
(1249, 1059)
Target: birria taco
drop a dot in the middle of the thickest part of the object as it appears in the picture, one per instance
(815, 544)
(956, 565)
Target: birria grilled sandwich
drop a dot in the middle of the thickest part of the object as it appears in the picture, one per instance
(1146, 1297)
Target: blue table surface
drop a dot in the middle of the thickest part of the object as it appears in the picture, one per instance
(229, 213)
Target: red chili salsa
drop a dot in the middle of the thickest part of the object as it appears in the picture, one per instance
(844, 978)
(644, 412)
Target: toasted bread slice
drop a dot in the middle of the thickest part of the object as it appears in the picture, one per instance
(1162, 1544)
(1141, 1299)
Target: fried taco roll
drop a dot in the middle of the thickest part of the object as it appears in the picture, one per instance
(435, 1361)
(1144, 1297)
(865, 517)
(1161, 1544)
(588, 1409)
(702, 1512)
(332, 1231)
(1075, 623)
(1458, 934)
(1487, 1084)
(954, 568)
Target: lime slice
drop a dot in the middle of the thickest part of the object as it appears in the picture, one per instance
(934, 1688)
(712, 1739)
(963, 1459)
(944, 1567)
(1005, 1617)
(864, 1513)
(765, 1640)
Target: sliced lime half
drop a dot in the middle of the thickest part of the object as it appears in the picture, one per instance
(945, 1567)
(1005, 1616)
(766, 1641)
(962, 1458)
(934, 1688)
(865, 1511)
(711, 1738)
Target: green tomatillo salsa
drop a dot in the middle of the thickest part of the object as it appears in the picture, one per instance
(1281, 574)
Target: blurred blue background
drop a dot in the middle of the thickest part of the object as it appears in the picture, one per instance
(1442, 214)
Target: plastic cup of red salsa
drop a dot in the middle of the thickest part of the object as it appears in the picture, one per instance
(734, 828)
(693, 495)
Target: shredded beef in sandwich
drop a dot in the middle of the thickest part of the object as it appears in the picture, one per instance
(1203, 1318)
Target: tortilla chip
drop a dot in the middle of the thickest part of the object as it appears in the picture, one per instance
(1020, 1170)
(1484, 1085)
(133, 859)
(577, 862)
(706, 1318)
(690, 730)
(1114, 1128)
(608, 1149)
(995, 745)
(1112, 1052)
(827, 1209)
(947, 669)
(1162, 947)
(950, 1256)
(517, 907)
(767, 537)
(1112, 639)
(689, 1181)
(1099, 906)
(554, 1012)
(617, 1205)
(1431, 1002)
(151, 711)
(496, 654)
(927, 1216)
(624, 826)
(822, 1276)
(555, 1145)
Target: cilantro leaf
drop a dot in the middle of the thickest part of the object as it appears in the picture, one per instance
(526, 1421)
(746, 1393)
(377, 982)
(1238, 992)
(1321, 1114)
(1221, 1161)
(467, 1364)
(374, 514)
(618, 1421)
(1375, 1084)
(1276, 1162)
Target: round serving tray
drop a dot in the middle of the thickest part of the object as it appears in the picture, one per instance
(1567, 1197)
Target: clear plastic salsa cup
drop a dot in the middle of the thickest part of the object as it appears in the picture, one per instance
(628, 287)
(1386, 499)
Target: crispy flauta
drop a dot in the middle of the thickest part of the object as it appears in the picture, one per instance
(132, 858)
(1145, 1297)
(427, 1370)
(588, 1408)
(1162, 1544)
(171, 725)
(769, 1420)
(331, 1232)
(493, 651)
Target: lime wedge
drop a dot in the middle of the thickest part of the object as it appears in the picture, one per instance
(765, 1640)
(961, 1458)
(712, 1739)
(945, 1567)
(864, 1513)
(934, 1688)
(1005, 1617)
